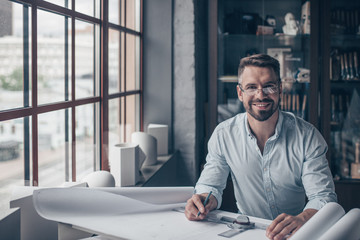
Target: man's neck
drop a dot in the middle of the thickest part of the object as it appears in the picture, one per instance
(263, 130)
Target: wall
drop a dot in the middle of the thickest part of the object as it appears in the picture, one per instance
(175, 77)
(157, 68)
(184, 89)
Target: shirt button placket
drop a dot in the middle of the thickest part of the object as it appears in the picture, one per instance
(267, 183)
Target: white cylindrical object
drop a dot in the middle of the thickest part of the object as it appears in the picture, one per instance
(99, 179)
(160, 132)
(148, 144)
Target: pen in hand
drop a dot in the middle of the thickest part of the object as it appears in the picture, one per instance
(205, 202)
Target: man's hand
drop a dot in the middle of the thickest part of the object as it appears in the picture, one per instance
(286, 225)
(195, 204)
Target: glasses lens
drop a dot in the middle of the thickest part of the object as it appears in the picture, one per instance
(251, 92)
(266, 90)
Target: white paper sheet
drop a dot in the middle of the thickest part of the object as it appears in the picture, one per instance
(63, 204)
(120, 217)
(155, 195)
(320, 222)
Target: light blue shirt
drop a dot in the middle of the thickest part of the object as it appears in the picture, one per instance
(293, 165)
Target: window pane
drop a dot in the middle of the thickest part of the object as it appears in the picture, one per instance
(132, 115)
(115, 11)
(132, 62)
(85, 50)
(14, 55)
(54, 130)
(11, 159)
(88, 7)
(116, 131)
(114, 61)
(53, 41)
(86, 154)
(133, 14)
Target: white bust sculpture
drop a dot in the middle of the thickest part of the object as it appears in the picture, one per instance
(291, 26)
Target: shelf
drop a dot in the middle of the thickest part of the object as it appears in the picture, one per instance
(348, 40)
(285, 40)
(228, 79)
(345, 85)
(347, 181)
(350, 82)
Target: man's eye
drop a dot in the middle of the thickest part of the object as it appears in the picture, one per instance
(250, 88)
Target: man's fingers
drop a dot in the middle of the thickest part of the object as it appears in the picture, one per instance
(285, 231)
(280, 227)
(274, 223)
(192, 208)
(198, 203)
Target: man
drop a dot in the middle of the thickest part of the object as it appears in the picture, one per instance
(275, 159)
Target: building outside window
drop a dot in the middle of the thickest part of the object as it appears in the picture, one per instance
(70, 87)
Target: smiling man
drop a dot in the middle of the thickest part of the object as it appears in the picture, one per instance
(276, 160)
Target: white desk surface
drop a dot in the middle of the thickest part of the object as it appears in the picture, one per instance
(165, 225)
(119, 217)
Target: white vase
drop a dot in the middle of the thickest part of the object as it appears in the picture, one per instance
(148, 144)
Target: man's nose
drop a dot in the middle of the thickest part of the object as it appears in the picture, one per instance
(260, 92)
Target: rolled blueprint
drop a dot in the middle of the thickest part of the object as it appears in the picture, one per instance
(346, 228)
(320, 222)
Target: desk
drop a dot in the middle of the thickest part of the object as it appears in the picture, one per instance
(166, 225)
(115, 216)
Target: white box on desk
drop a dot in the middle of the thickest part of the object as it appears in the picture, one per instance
(125, 163)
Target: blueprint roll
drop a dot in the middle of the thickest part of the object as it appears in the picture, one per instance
(346, 228)
(323, 220)
(148, 145)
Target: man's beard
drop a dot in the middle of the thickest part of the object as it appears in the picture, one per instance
(262, 115)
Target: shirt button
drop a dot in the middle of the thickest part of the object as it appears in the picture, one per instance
(265, 169)
(268, 189)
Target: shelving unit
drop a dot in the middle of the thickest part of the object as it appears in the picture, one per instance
(340, 93)
(334, 84)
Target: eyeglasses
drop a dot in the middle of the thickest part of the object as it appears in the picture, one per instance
(252, 90)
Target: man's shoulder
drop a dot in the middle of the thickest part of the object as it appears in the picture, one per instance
(294, 122)
(231, 122)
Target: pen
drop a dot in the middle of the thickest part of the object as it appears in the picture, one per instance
(205, 202)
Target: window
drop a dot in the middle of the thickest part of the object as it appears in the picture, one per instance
(70, 87)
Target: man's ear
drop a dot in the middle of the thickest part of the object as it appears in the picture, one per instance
(239, 93)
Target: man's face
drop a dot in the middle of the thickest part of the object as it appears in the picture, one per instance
(259, 104)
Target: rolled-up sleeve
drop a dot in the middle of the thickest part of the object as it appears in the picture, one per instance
(216, 170)
(316, 176)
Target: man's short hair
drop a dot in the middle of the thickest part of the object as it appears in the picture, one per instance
(259, 60)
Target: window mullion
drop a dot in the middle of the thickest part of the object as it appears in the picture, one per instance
(26, 79)
(34, 94)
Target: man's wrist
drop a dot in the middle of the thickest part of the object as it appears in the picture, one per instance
(307, 214)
